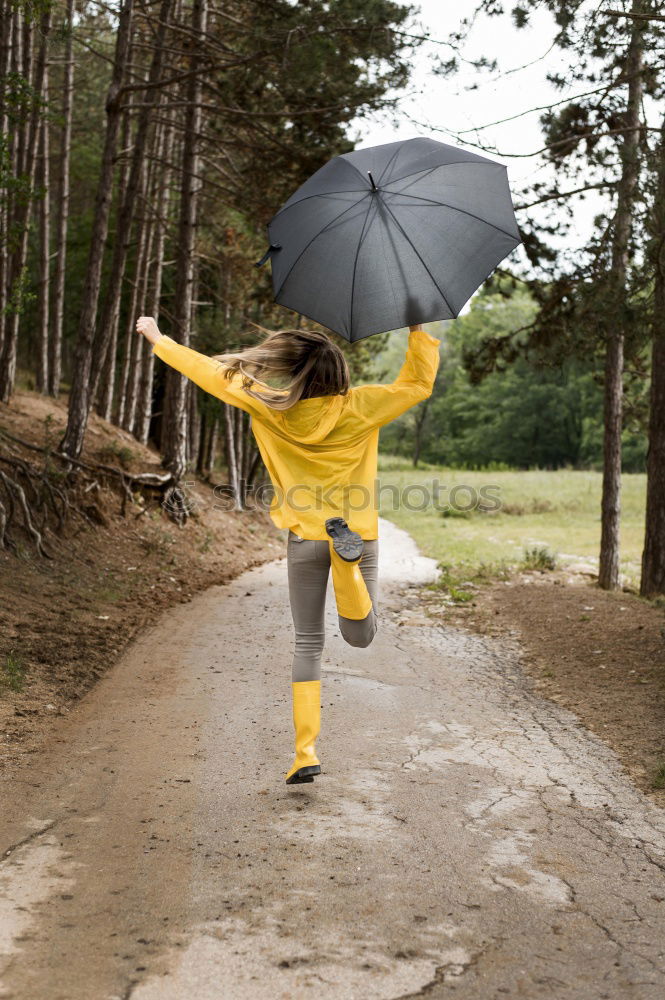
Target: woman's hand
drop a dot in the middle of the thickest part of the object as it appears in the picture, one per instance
(147, 326)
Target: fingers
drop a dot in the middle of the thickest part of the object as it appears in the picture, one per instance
(147, 326)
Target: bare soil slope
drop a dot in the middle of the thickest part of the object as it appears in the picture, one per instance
(65, 621)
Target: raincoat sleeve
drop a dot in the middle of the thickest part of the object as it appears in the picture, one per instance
(379, 404)
(206, 373)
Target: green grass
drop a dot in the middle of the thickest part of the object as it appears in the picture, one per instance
(206, 544)
(13, 673)
(542, 516)
(658, 778)
(112, 450)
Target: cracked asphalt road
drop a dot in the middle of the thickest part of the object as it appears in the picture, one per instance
(466, 837)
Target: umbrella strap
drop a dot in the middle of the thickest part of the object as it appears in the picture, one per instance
(269, 251)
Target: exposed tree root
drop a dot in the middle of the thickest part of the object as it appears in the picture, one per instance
(40, 494)
(14, 489)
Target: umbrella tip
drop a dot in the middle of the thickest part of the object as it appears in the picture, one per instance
(374, 187)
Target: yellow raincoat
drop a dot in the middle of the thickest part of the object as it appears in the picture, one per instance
(321, 453)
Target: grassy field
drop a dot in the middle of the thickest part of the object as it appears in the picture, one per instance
(557, 510)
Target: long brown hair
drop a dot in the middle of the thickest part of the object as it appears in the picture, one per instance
(307, 361)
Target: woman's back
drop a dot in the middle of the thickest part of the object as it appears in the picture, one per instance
(320, 452)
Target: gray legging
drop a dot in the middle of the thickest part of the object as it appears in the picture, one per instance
(308, 564)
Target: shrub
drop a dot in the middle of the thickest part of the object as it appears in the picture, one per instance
(538, 557)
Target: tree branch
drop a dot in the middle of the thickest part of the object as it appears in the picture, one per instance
(548, 107)
(635, 17)
(536, 152)
(566, 194)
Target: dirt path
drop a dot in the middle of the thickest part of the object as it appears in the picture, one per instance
(465, 837)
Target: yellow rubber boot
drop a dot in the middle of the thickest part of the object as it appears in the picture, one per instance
(351, 594)
(307, 722)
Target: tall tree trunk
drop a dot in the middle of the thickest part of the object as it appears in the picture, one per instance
(80, 395)
(608, 568)
(231, 456)
(420, 418)
(129, 391)
(253, 467)
(653, 556)
(130, 382)
(248, 451)
(102, 373)
(42, 373)
(193, 418)
(203, 439)
(62, 209)
(194, 425)
(44, 252)
(211, 450)
(130, 340)
(163, 151)
(240, 445)
(108, 320)
(127, 388)
(27, 160)
(208, 438)
(174, 438)
(11, 133)
(7, 28)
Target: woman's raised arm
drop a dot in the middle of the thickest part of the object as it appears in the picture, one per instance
(379, 404)
(204, 371)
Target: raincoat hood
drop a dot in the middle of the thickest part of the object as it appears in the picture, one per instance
(309, 420)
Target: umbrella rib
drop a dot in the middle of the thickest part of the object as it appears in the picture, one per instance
(456, 163)
(355, 265)
(315, 237)
(388, 164)
(321, 194)
(444, 204)
(408, 238)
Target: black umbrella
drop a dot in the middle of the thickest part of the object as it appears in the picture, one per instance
(391, 236)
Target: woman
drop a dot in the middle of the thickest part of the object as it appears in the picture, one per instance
(319, 439)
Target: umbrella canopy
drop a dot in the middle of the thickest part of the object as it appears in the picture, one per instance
(391, 236)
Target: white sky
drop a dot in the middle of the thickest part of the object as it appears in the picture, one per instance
(448, 103)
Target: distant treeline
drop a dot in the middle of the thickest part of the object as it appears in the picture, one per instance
(525, 415)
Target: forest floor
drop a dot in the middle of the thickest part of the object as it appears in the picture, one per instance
(65, 621)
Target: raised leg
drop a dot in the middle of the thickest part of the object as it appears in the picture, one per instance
(360, 632)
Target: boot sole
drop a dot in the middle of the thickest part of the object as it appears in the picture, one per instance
(347, 544)
(304, 775)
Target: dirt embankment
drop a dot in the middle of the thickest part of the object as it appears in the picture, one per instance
(65, 621)
(600, 654)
